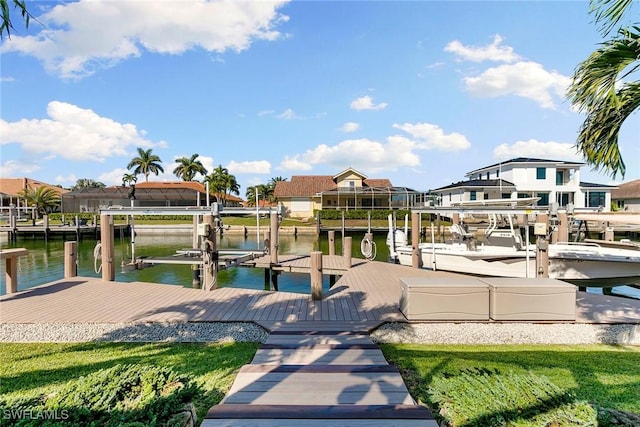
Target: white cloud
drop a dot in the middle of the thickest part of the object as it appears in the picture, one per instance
(430, 136)
(394, 153)
(492, 52)
(74, 133)
(294, 164)
(7, 79)
(537, 149)
(82, 36)
(13, 168)
(350, 127)
(114, 177)
(288, 114)
(258, 166)
(525, 79)
(362, 154)
(69, 179)
(366, 103)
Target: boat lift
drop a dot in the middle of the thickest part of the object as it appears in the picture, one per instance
(206, 255)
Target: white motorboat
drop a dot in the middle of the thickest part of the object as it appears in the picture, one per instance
(503, 253)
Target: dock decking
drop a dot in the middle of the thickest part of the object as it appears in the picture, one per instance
(367, 294)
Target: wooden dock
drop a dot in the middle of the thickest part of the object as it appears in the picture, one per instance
(368, 294)
(66, 232)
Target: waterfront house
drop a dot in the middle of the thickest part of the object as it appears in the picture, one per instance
(349, 189)
(627, 196)
(549, 180)
(10, 189)
(147, 194)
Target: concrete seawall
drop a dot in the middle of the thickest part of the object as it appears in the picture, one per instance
(233, 229)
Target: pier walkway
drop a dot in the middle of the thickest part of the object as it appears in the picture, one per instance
(367, 293)
(302, 376)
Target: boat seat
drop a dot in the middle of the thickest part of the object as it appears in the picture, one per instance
(459, 233)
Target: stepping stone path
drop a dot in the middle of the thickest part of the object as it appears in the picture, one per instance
(336, 377)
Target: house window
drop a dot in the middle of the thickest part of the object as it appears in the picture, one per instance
(593, 199)
(544, 199)
(449, 196)
(498, 173)
(541, 173)
(505, 196)
(350, 184)
(486, 196)
(487, 175)
(472, 195)
(559, 177)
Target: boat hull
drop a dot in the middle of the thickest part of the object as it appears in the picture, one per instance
(586, 266)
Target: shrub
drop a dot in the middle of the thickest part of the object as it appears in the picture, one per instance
(123, 395)
(485, 398)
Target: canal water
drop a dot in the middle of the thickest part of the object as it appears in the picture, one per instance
(45, 261)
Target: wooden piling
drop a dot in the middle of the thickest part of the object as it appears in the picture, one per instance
(316, 275)
(416, 259)
(11, 267)
(332, 242)
(563, 227)
(107, 248)
(70, 259)
(346, 252)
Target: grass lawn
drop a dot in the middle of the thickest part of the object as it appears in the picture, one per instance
(606, 376)
(30, 370)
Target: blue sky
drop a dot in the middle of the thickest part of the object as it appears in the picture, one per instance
(419, 92)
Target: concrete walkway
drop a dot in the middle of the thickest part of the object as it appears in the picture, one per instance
(306, 377)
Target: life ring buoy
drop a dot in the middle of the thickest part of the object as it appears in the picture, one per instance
(97, 255)
(368, 249)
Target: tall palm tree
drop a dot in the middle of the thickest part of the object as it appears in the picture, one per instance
(602, 88)
(129, 178)
(42, 198)
(145, 163)
(188, 167)
(223, 183)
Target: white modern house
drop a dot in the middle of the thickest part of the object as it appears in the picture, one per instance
(549, 180)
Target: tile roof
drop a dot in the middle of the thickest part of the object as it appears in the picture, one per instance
(310, 185)
(304, 186)
(13, 186)
(628, 190)
(150, 186)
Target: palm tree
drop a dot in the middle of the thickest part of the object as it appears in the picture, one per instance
(188, 168)
(602, 89)
(222, 182)
(272, 186)
(146, 163)
(129, 178)
(263, 191)
(42, 198)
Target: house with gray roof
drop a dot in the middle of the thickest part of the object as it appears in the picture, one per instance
(524, 177)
